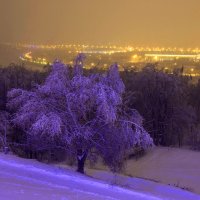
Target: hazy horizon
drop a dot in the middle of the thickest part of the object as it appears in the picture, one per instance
(123, 22)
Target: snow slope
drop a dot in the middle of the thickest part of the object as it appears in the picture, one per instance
(22, 179)
(170, 166)
(178, 167)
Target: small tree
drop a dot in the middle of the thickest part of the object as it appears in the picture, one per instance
(81, 113)
(4, 128)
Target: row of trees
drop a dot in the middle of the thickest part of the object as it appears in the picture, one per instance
(17, 76)
(169, 104)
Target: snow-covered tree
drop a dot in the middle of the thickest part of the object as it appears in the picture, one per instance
(83, 112)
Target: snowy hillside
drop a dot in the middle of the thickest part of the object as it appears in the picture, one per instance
(173, 166)
(22, 179)
(170, 166)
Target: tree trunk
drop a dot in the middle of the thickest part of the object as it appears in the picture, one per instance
(81, 157)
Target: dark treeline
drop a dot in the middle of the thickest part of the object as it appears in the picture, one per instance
(17, 76)
(169, 104)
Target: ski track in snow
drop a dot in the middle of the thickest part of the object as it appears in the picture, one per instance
(36, 181)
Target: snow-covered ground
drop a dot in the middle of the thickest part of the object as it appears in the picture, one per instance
(22, 179)
(174, 166)
(170, 166)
